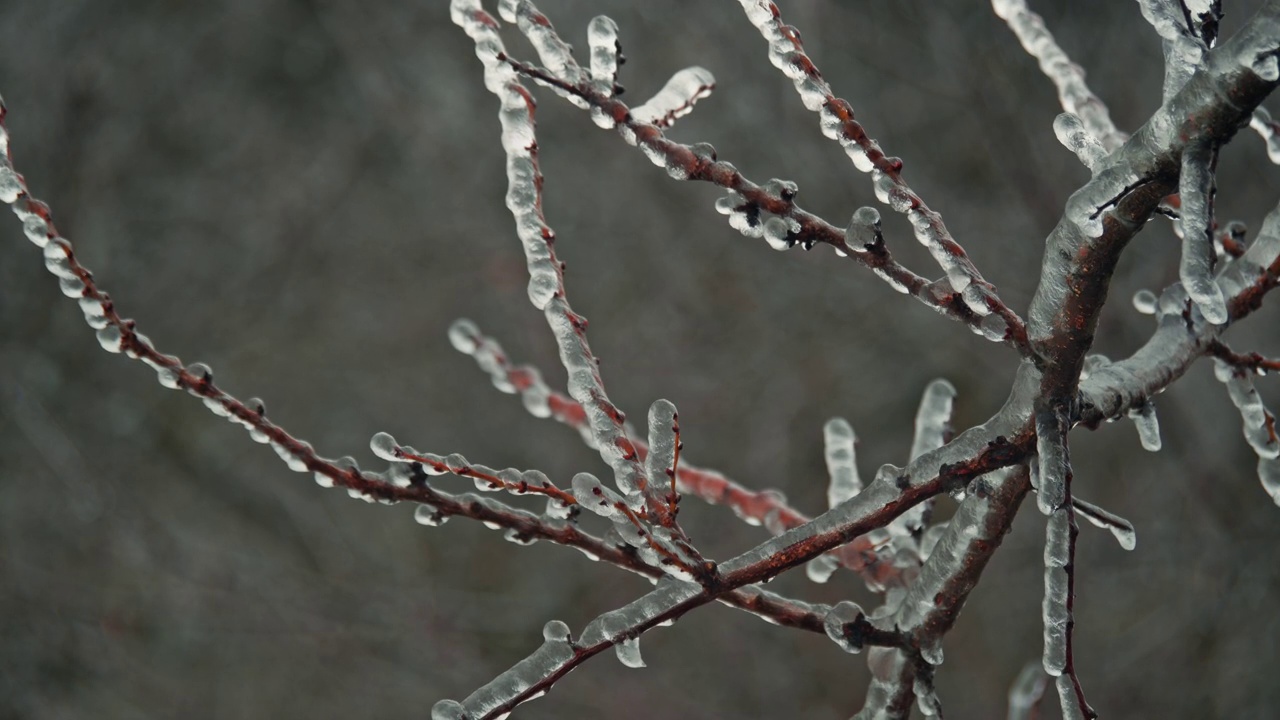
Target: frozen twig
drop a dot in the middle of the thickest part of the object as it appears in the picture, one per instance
(1054, 499)
(1073, 93)
(546, 273)
(786, 52)
(748, 203)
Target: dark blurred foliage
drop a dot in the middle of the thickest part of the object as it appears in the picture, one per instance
(305, 194)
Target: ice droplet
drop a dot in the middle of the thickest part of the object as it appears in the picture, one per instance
(555, 631)
(628, 652)
(1144, 301)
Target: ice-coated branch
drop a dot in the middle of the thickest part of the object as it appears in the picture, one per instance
(930, 606)
(1252, 361)
(974, 453)
(836, 119)
(524, 199)
(1102, 216)
(748, 204)
(1073, 93)
(1181, 337)
(756, 507)
(1196, 190)
(402, 482)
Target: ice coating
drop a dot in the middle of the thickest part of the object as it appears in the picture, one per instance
(1073, 135)
(840, 451)
(677, 98)
(1051, 452)
(864, 229)
(1196, 268)
(555, 55)
(527, 677)
(1148, 425)
(1068, 699)
(602, 39)
(660, 462)
(1055, 616)
(1025, 694)
(1068, 77)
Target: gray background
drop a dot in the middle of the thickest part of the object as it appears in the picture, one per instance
(306, 194)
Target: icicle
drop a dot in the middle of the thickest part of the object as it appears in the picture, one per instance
(1258, 424)
(1269, 475)
(926, 697)
(384, 446)
(933, 418)
(677, 97)
(1148, 425)
(1072, 134)
(1120, 528)
(840, 445)
(1262, 123)
(628, 652)
(1196, 269)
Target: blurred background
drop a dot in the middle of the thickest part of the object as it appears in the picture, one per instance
(305, 194)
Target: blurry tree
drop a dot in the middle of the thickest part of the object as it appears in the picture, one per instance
(918, 558)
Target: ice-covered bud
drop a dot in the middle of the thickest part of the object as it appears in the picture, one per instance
(448, 709)
(778, 232)
(841, 626)
(677, 97)
(933, 418)
(864, 229)
(111, 339)
(385, 446)
(463, 335)
(429, 516)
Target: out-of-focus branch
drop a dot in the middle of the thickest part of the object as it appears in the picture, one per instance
(990, 319)
(786, 52)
